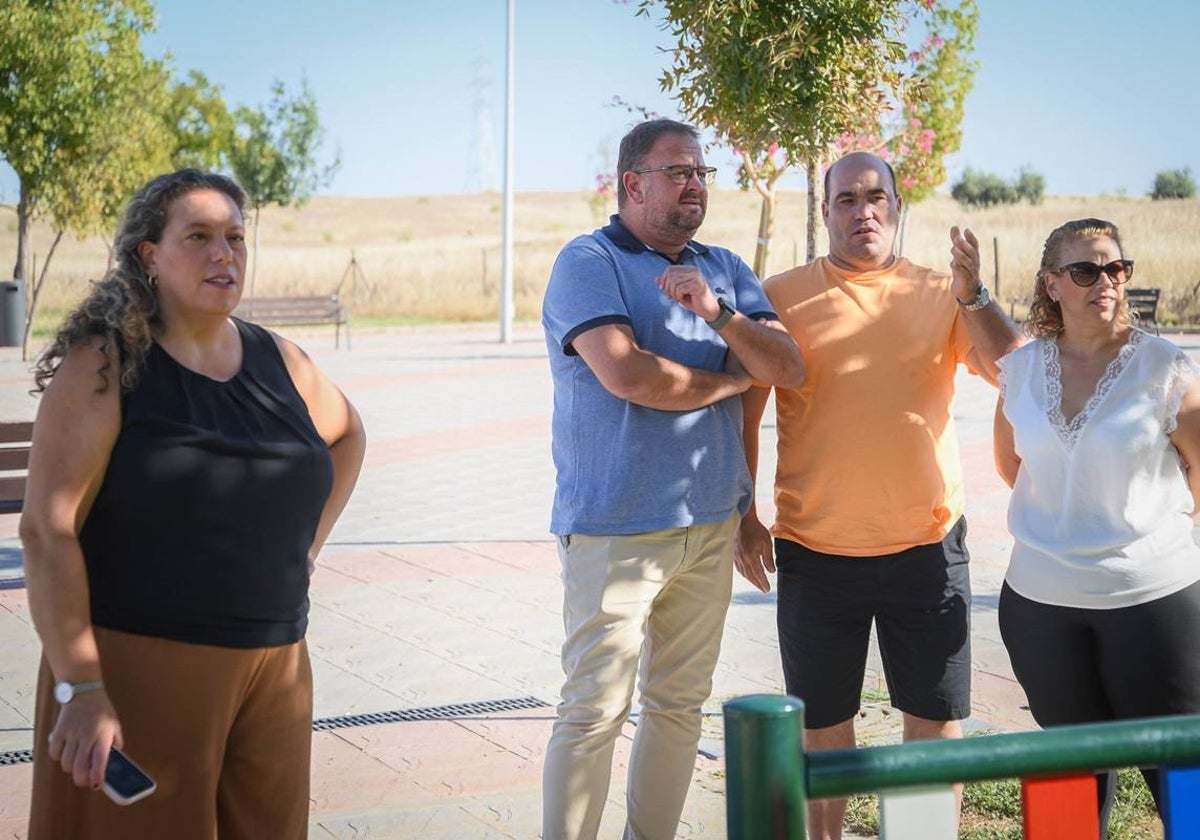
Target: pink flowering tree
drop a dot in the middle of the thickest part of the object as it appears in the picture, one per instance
(923, 121)
(781, 82)
(604, 195)
(792, 87)
(761, 172)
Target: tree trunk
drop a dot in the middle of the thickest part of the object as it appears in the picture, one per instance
(766, 228)
(254, 256)
(33, 299)
(903, 228)
(23, 221)
(810, 169)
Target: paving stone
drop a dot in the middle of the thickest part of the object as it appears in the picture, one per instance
(440, 585)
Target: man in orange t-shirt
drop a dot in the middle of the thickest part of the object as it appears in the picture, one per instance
(868, 487)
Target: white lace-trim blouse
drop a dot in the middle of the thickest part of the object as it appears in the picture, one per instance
(1101, 509)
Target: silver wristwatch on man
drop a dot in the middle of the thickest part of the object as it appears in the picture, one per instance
(981, 300)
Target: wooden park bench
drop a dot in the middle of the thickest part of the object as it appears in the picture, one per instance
(1145, 303)
(15, 440)
(299, 310)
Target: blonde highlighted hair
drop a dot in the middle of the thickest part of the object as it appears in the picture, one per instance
(1045, 315)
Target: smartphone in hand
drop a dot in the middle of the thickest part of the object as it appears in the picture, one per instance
(124, 781)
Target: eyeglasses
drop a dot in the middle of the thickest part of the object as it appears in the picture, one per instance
(1087, 273)
(682, 173)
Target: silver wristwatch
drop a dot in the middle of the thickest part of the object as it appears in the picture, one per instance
(65, 692)
(981, 300)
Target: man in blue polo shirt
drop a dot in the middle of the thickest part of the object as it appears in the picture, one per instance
(652, 338)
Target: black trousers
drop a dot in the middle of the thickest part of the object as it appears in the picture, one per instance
(1087, 666)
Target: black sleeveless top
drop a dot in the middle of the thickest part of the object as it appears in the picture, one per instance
(201, 529)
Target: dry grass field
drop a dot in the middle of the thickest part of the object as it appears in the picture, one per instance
(438, 258)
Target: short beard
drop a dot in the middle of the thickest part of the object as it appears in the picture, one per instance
(690, 225)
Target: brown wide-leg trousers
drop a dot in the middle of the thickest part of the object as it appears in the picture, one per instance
(225, 732)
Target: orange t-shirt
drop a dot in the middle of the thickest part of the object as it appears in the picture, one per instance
(868, 458)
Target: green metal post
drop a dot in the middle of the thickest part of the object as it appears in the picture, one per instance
(764, 768)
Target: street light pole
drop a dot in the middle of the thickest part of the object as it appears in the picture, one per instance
(506, 275)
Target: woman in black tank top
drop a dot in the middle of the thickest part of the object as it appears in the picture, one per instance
(186, 469)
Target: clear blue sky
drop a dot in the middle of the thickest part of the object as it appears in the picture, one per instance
(1095, 96)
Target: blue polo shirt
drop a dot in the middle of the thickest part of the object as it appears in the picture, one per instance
(624, 468)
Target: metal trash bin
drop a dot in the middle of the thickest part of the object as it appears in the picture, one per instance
(12, 313)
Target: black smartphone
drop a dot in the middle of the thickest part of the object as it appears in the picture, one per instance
(124, 781)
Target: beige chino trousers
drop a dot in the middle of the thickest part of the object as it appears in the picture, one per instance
(649, 607)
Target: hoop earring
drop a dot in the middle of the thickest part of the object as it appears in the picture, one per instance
(152, 280)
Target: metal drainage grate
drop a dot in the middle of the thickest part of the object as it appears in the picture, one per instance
(15, 757)
(453, 710)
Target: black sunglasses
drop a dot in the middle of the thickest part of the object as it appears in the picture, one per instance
(1087, 273)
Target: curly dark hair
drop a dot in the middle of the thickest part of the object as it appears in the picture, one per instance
(1045, 315)
(123, 306)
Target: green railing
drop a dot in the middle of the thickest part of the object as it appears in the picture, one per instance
(769, 777)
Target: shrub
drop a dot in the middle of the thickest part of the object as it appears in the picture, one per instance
(1174, 183)
(1030, 186)
(981, 189)
(984, 189)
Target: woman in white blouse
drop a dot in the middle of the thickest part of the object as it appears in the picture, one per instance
(1096, 424)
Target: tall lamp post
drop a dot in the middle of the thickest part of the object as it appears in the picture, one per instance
(506, 274)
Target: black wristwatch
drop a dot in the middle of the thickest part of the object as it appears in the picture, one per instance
(727, 313)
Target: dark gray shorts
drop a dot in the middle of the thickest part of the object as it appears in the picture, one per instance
(920, 601)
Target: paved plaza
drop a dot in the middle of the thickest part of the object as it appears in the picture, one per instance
(436, 623)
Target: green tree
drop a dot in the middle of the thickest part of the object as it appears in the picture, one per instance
(273, 153)
(984, 189)
(782, 82)
(1030, 186)
(200, 123)
(1173, 183)
(78, 100)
